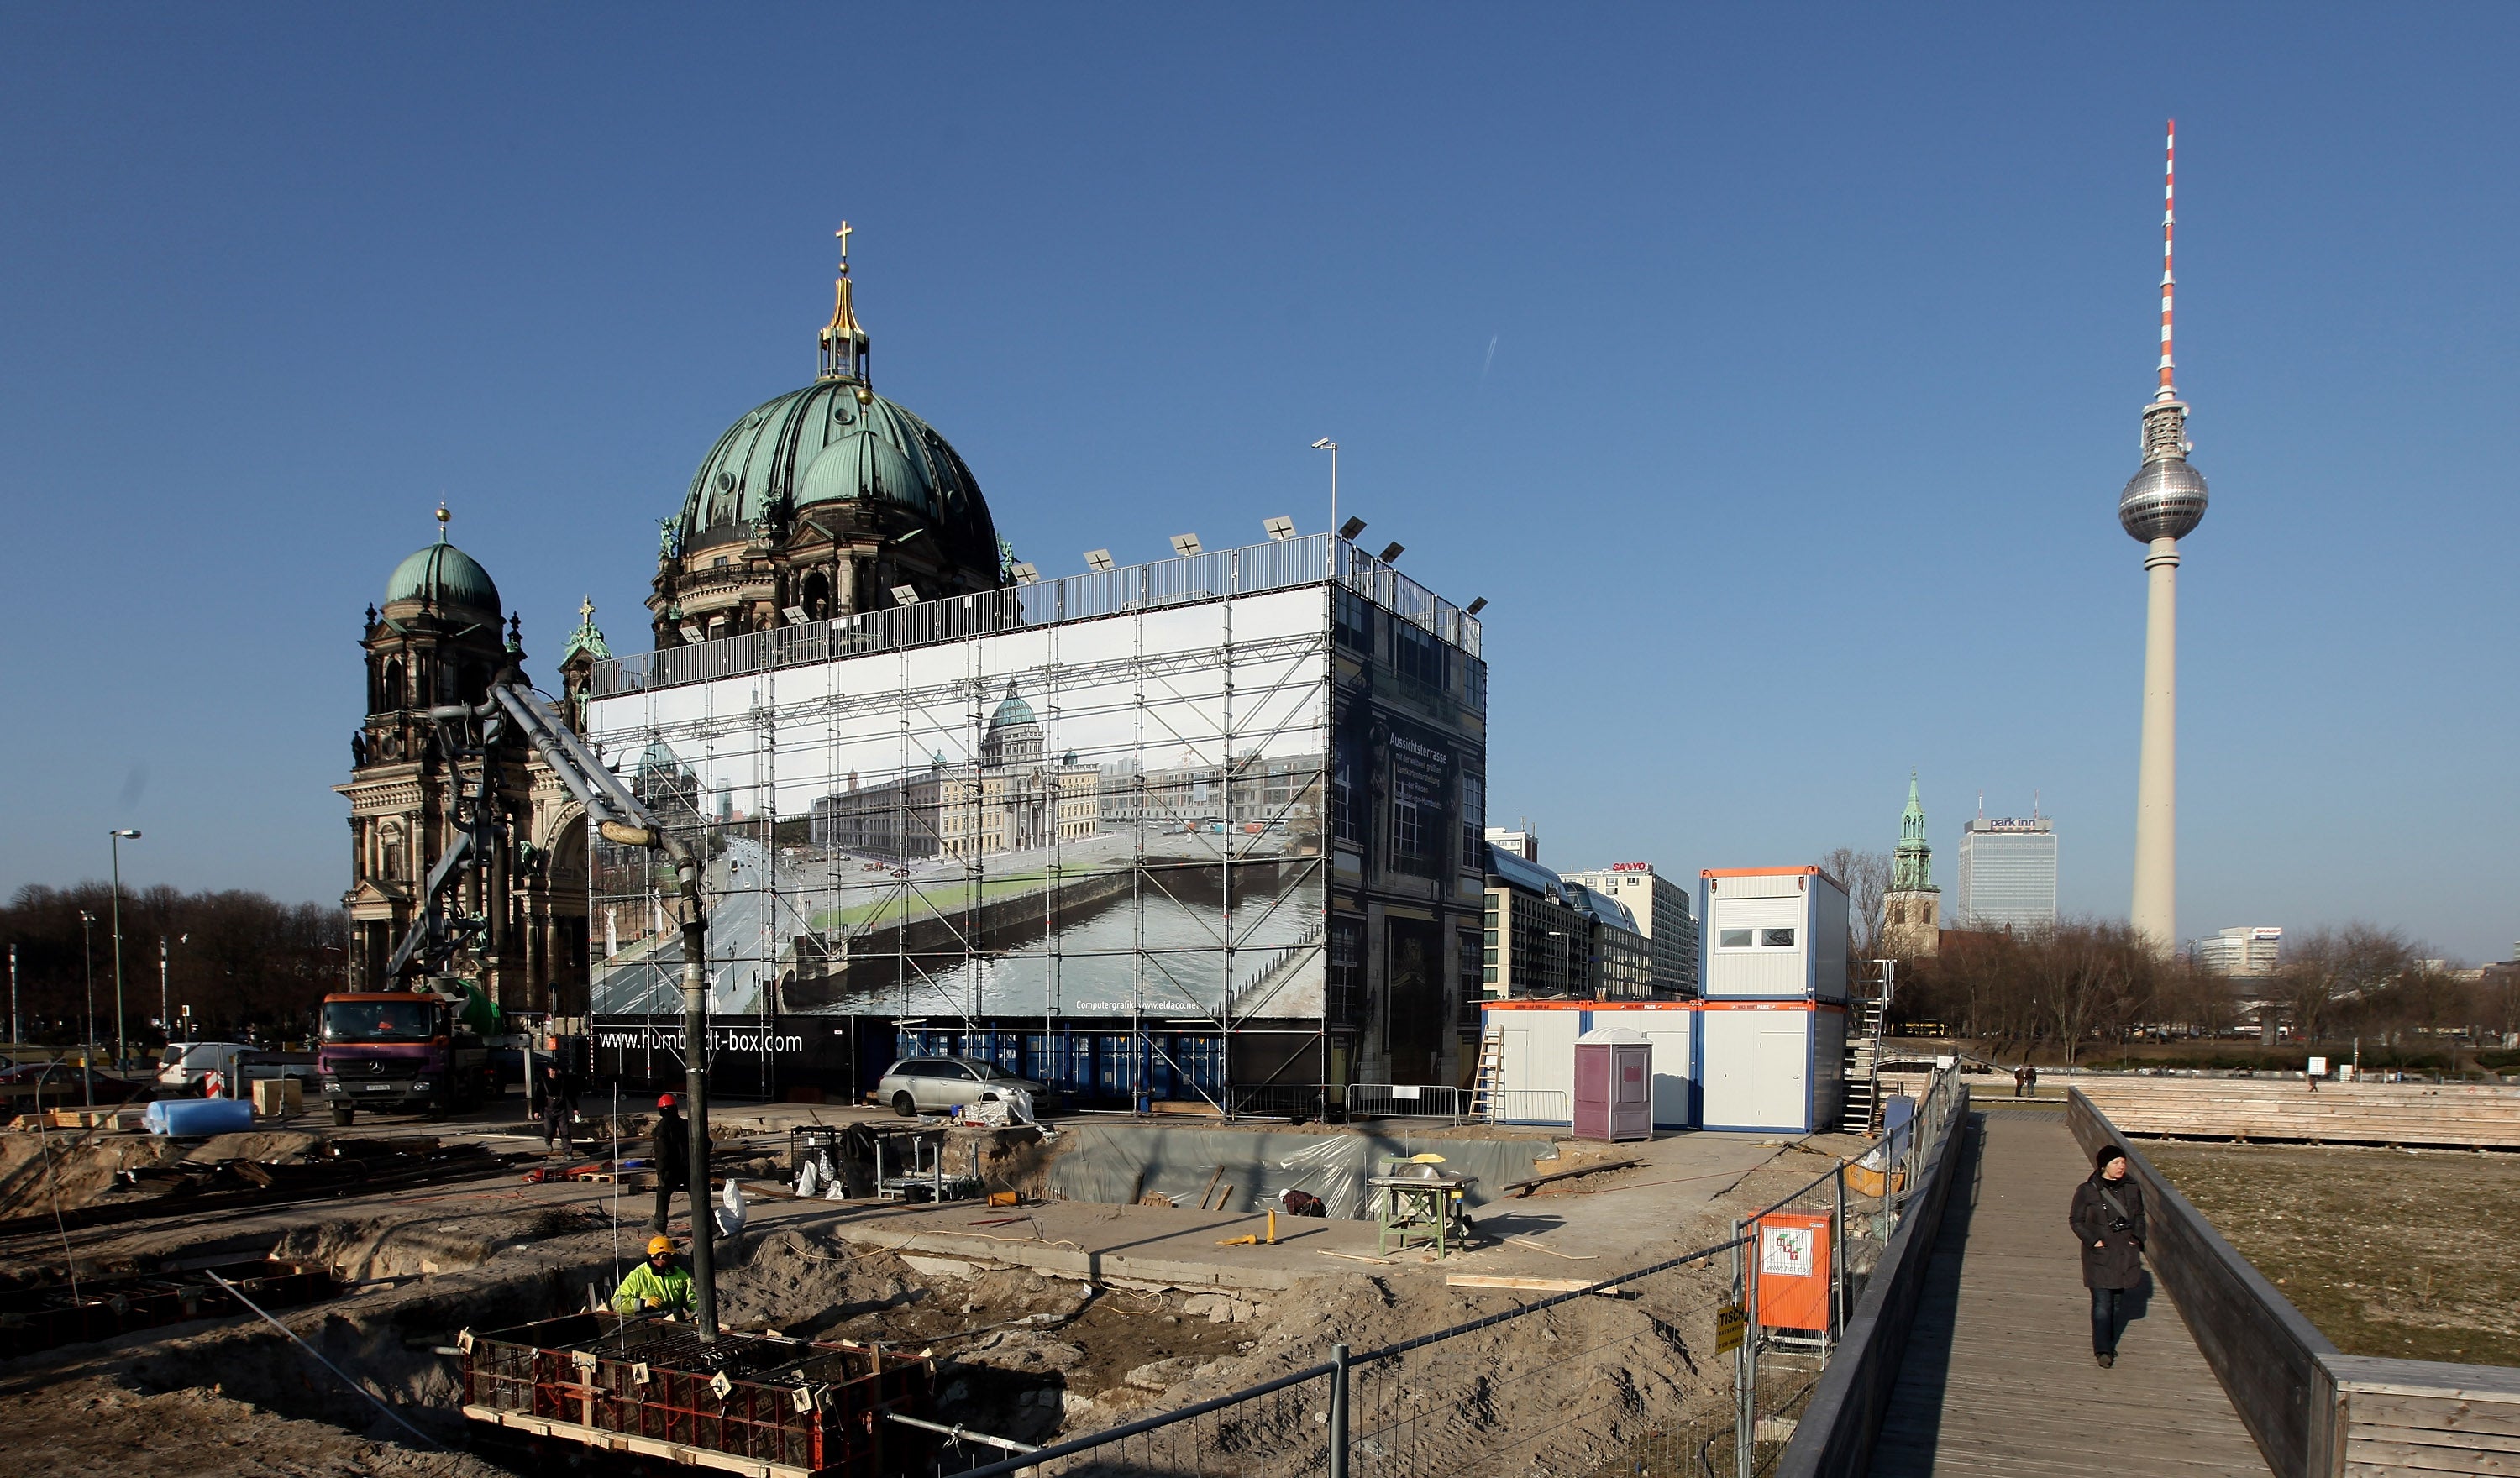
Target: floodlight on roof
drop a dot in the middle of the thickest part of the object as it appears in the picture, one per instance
(795, 615)
(691, 633)
(1185, 545)
(905, 595)
(1392, 552)
(1098, 558)
(1280, 528)
(1351, 528)
(1326, 445)
(1024, 573)
(1475, 606)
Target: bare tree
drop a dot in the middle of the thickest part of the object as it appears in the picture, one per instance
(2330, 975)
(1865, 876)
(2091, 976)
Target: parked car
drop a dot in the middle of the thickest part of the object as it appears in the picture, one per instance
(934, 1085)
(186, 1063)
(57, 1084)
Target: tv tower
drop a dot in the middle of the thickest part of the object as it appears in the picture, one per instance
(2162, 503)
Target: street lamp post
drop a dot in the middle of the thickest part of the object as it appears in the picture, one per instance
(87, 956)
(116, 838)
(1327, 445)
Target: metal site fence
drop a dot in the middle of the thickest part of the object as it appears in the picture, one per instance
(1576, 1399)
(1246, 570)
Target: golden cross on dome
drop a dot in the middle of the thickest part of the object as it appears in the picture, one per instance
(586, 609)
(843, 234)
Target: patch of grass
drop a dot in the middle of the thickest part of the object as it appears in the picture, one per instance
(2412, 1254)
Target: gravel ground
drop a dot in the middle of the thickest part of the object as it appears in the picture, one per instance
(2413, 1254)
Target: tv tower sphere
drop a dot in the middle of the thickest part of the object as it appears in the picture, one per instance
(2166, 500)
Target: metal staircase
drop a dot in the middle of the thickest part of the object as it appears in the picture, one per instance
(1863, 1023)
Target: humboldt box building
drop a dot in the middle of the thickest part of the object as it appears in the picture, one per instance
(1204, 825)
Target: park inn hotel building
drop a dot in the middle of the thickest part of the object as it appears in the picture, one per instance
(2007, 875)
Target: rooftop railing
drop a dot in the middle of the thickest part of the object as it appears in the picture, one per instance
(1280, 565)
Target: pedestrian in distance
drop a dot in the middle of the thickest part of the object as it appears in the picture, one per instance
(2030, 1079)
(660, 1284)
(2020, 1081)
(670, 1148)
(560, 1107)
(2108, 1218)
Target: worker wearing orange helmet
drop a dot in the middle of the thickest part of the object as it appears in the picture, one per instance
(660, 1284)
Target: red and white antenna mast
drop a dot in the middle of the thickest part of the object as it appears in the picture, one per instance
(2169, 229)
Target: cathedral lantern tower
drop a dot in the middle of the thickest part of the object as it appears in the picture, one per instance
(820, 504)
(1911, 912)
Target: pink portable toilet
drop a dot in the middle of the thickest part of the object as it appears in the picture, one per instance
(1613, 1085)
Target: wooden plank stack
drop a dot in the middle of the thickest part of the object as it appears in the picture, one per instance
(2459, 1115)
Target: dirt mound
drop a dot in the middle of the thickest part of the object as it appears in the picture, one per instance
(92, 1427)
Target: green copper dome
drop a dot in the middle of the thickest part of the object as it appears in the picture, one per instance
(823, 444)
(1012, 710)
(443, 575)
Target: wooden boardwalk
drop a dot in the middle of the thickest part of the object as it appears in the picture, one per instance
(1999, 1376)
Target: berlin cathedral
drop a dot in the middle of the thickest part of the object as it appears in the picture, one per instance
(827, 501)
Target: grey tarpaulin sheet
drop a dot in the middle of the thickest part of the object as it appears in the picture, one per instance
(1117, 1163)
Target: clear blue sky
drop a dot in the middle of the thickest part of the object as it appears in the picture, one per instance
(1774, 374)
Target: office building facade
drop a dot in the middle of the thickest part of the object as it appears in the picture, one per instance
(1663, 915)
(2007, 875)
(2249, 952)
(1550, 938)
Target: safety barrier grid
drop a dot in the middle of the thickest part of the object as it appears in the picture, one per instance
(1428, 1405)
(1406, 1100)
(1834, 1436)
(1378, 1407)
(1530, 1105)
(1251, 569)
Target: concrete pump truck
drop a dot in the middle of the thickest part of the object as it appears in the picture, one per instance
(424, 1042)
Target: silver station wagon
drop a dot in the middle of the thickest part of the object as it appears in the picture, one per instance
(933, 1085)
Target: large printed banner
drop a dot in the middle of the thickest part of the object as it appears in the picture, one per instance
(1121, 817)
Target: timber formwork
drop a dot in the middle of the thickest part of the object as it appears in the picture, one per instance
(40, 1315)
(743, 1403)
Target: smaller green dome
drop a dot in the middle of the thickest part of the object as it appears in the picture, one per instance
(443, 575)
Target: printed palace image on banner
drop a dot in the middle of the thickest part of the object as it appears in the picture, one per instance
(1106, 818)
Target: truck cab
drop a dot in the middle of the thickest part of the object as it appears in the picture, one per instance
(417, 1050)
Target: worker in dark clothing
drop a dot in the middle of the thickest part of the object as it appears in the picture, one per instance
(2108, 1218)
(671, 1149)
(560, 1088)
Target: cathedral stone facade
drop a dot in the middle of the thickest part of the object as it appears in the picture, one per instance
(438, 639)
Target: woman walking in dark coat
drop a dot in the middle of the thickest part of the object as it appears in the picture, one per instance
(2108, 1218)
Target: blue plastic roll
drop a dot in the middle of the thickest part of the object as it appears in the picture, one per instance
(198, 1118)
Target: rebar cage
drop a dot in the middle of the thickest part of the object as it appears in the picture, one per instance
(799, 1406)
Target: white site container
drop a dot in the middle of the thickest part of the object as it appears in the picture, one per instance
(1772, 1067)
(1772, 934)
(1538, 1073)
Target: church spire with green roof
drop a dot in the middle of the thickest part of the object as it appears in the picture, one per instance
(1910, 867)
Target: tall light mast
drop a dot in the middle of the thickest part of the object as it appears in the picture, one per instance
(2162, 504)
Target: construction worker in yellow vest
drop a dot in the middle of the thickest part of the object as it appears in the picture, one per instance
(657, 1285)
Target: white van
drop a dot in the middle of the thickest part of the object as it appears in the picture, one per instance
(187, 1063)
